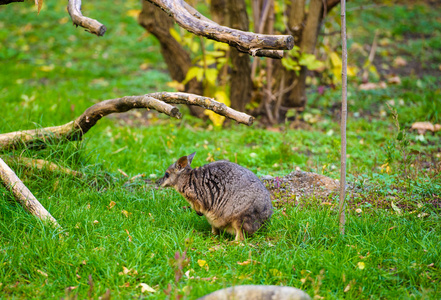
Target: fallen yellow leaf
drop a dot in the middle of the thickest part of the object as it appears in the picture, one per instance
(126, 213)
(203, 264)
(111, 204)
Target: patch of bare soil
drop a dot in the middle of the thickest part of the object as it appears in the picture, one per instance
(297, 185)
(302, 188)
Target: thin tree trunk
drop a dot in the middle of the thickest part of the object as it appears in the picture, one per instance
(296, 19)
(344, 109)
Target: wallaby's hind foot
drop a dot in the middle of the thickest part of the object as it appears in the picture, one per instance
(214, 230)
(239, 232)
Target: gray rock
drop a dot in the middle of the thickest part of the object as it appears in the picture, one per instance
(257, 292)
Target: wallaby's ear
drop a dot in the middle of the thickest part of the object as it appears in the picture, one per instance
(182, 163)
(190, 157)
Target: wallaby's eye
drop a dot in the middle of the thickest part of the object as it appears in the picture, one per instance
(167, 175)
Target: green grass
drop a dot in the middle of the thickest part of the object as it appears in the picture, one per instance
(51, 72)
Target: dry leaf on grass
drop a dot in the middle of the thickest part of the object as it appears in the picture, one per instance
(422, 127)
(127, 271)
(111, 204)
(42, 273)
(399, 62)
(394, 80)
(145, 288)
(247, 262)
(372, 86)
(126, 213)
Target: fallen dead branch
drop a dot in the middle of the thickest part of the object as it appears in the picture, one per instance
(23, 195)
(74, 130)
(41, 164)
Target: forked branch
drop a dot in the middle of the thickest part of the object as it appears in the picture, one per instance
(74, 130)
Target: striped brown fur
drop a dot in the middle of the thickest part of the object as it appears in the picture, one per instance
(230, 196)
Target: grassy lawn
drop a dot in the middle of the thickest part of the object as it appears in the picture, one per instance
(118, 234)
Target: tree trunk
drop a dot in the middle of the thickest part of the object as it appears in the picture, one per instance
(240, 82)
(178, 61)
(304, 23)
(232, 13)
(305, 35)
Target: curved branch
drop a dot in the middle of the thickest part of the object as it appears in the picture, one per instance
(91, 25)
(248, 42)
(23, 195)
(74, 130)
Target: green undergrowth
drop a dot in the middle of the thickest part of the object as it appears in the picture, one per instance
(118, 233)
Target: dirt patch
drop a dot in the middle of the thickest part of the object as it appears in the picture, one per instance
(299, 184)
(302, 188)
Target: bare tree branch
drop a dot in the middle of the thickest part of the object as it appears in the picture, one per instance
(189, 18)
(23, 195)
(205, 102)
(91, 25)
(74, 130)
(248, 42)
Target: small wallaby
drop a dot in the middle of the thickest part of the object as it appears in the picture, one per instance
(230, 196)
